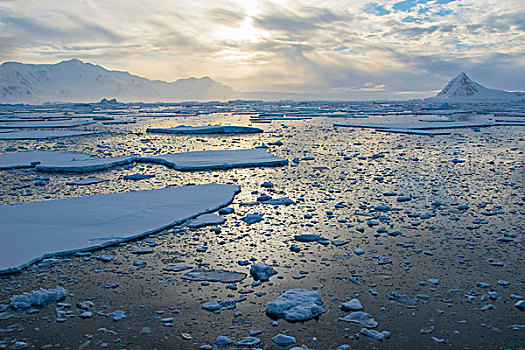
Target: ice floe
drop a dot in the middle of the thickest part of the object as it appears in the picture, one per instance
(262, 272)
(361, 318)
(296, 305)
(186, 161)
(86, 181)
(37, 230)
(43, 134)
(223, 276)
(208, 129)
(41, 125)
(37, 298)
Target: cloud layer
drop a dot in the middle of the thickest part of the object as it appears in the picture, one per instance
(348, 49)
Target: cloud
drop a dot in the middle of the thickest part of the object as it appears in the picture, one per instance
(352, 47)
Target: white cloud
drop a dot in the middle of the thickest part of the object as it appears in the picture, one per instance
(294, 46)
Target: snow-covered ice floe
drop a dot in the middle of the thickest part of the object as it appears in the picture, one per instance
(186, 161)
(37, 230)
(424, 127)
(208, 129)
(37, 298)
(54, 124)
(296, 305)
(43, 134)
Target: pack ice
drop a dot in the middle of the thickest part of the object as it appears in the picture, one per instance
(37, 230)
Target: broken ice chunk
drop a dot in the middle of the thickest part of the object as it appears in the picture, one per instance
(296, 305)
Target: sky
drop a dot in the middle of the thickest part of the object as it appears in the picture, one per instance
(353, 49)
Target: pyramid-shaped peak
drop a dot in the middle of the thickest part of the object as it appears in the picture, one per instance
(460, 86)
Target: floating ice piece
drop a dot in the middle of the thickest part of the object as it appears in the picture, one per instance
(483, 285)
(41, 125)
(279, 201)
(136, 177)
(249, 342)
(208, 129)
(105, 258)
(379, 336)
(38, 230)
(221, 159)
(361, 318)
(206, 220)
(296, 305)
(117, 315)
(283, 340)
(262, 272)
(215, 305)
(402, 298)
(223, 276)
(383, 260)
(359, 251)
(309, 237)
(520, 305)
(352, 305)
(186, 161)
(177, 268)
(223, 340)
(87, 181)
(43, 134)
(252, 218)
(37, 298)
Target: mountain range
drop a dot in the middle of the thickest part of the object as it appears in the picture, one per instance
(77, 81)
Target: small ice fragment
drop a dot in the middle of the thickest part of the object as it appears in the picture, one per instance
(361, 318)
(379, 336)
(352, 305)
(283, 340)
(262, 272)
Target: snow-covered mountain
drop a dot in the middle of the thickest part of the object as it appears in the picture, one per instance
(462, 88)
(76, 81)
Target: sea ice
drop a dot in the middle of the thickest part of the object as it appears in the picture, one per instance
(38, 230)
(296, 305)
(186, 161)
(43, 134)
(41, 125)
(206, 220)
(37, 298)
(208, 129)
(352, 305)
(87, 181)
(284, 340)
(215, 276)
(379, 336)
(361, 318)
(262, 272)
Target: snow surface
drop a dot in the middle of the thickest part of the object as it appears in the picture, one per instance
(296, 305)
(76, 81)
(37, 230)
(43, 134)
(462, 88)
(209, 129)
(64, 161)
(60, 124)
